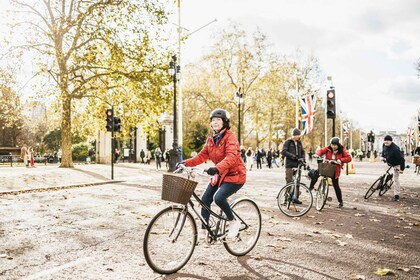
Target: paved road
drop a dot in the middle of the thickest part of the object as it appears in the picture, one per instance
(96, 232)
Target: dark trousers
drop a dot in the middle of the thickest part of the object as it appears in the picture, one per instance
(219, 196)
(335, 185)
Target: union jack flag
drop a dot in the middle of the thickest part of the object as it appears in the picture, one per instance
(308, 105)
(418, 118)
(410, 136)
(346, 130)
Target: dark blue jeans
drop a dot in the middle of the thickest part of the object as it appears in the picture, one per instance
(219, 195)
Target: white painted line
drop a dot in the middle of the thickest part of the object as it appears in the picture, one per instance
(57, 269)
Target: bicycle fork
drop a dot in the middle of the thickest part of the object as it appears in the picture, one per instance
(178, 225)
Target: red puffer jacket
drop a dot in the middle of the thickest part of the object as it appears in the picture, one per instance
(226, 155)
(344, 157)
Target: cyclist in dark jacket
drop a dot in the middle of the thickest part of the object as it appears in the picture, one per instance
(393, 156)
(292, 151)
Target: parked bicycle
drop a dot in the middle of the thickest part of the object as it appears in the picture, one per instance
(326, 169)
(295, 199)
(383, 184)
(171, 236)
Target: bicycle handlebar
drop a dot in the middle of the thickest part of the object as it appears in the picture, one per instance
(191, 170)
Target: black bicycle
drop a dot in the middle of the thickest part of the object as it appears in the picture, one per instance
(171, 236)
(383, 184)
(326, 170)
(295, 199)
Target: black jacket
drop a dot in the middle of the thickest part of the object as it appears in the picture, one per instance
(393, 155)
(289, 152)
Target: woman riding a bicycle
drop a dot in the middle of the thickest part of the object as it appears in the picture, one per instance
(336, 153)
(229, 174)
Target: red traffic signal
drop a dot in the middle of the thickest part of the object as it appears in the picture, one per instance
(331, 104)
(109, 120)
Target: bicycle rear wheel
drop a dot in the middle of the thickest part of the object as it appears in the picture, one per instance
(170, 240)
(321, 194)
(376, 185)
(289, 206)
(249, 214)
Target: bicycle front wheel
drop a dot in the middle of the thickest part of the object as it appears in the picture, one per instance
(376, 185)
(294, 206)
(249, 214)
(321, 194)
(170, 240)
(386, 187)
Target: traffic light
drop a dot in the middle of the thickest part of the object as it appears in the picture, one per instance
(331, 104)
(109, 119)
(371, 137)
(117, 124)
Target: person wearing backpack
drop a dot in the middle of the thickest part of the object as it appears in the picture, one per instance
(293, 151)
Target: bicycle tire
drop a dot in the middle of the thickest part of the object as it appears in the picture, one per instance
(287, 205)
(321, 194)
(376, 185)
(170, 240)
(249, 214)
(386, 187)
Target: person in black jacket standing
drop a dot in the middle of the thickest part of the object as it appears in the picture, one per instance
(292, 151)
(394, 157)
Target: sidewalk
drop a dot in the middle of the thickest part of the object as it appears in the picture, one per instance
(20, 178)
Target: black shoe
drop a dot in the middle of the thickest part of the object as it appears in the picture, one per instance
(396, 197)
(340, 205)
(297, 201)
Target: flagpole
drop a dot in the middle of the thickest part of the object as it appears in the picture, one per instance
(180, 109)
(341, 127)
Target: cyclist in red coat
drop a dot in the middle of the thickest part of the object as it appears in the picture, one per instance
(335, 152)
(229, 173)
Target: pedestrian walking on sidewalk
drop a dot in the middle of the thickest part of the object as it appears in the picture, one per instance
(393, 156)
(31, 156)
(158, 158)
(24, 154)
(142, 155)
(229, 173)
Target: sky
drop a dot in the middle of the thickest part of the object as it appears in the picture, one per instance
(369, 48)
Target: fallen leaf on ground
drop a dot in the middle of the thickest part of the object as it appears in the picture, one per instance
(285, 239)
(357, 277)
(374, 220)
(384, 271)
(404, 269)
(341, 243)
(359, 215)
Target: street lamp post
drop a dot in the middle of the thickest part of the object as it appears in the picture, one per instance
(175, 72)
(238, 97)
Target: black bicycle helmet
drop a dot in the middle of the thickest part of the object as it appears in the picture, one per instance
(223, 114)
(335, 141)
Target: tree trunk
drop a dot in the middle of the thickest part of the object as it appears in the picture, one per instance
(66, 159)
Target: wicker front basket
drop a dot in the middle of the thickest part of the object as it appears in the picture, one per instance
(326, 169)
(177, 189)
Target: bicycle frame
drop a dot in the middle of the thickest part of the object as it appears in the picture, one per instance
(219, 231)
